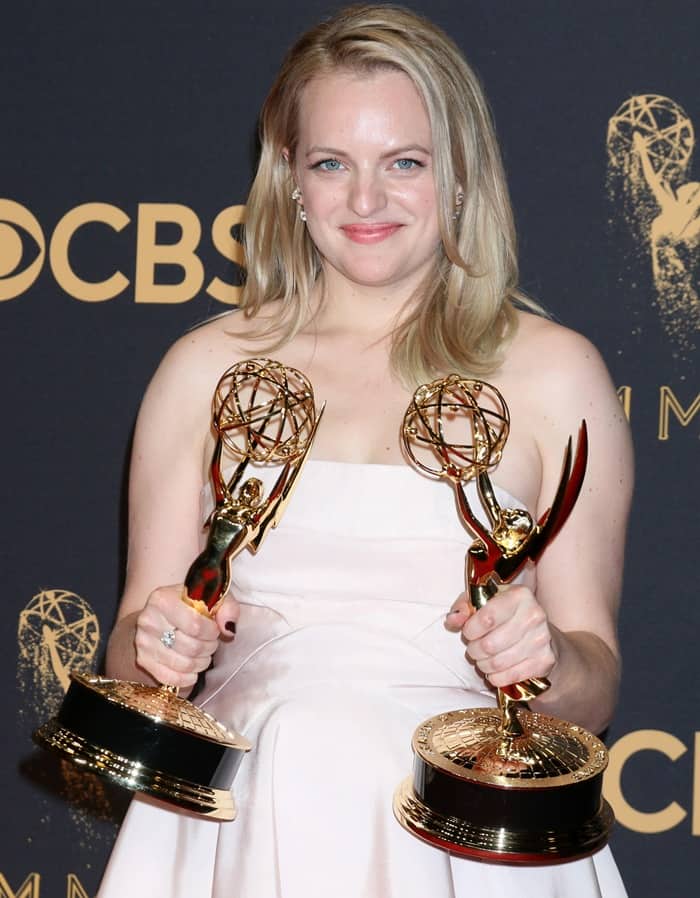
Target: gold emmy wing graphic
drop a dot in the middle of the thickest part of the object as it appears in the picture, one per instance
(147, 738)
(504, 784)
(650, 144)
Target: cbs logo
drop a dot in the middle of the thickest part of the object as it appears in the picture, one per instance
(663, 818)
(18, 225)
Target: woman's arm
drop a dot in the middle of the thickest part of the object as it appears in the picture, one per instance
(579, 578)
(167, 463)
(566, 630)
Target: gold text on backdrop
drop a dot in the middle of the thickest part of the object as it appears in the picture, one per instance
(31, 887)
(148, 252)
(672, 814)
(669, 403)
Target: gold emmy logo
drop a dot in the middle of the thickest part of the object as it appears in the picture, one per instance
(650, 144)
(58, 632)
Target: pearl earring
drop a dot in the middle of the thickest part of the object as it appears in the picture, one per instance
(296, 196)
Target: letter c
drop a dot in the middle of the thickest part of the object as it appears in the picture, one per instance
(60, 242)
(620, 753)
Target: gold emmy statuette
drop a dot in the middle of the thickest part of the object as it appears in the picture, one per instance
(147, 738)
(504, 784)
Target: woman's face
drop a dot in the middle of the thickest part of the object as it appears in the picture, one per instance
(364, 166)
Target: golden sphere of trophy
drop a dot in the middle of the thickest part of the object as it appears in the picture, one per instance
(501, 784)
(264, 411)
(456, 427)
(147, 738)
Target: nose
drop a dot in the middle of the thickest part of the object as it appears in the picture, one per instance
(367, 194)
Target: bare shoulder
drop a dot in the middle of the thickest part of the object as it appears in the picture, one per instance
(562, 367)
(554, 345)
(178, 399)
(195, 362)
(205, 348)
(557, 379)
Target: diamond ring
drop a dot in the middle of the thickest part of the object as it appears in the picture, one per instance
(168, 638)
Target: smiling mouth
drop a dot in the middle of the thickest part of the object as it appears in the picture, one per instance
(370, 233)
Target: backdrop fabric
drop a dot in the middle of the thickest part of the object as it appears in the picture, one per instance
(128, 146)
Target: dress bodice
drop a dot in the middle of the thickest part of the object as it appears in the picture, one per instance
(354, 583)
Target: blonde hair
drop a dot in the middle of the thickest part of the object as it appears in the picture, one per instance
(465, 315)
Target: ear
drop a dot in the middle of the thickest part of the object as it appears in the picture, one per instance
(290, 165)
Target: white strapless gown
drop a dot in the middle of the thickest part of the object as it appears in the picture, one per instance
(340, 653)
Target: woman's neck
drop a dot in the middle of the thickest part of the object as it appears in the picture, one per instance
(366, 311)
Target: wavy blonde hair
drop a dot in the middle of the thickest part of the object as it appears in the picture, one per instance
(465, 314)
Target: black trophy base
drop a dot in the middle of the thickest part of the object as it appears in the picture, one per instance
(147, 739)
(531, 799)
(536, 845)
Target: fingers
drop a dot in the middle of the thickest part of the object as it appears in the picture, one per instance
(173, 642)
(459, 614)
(227, 617)
(509, 638)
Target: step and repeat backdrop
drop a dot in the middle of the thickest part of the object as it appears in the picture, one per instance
(128, 144)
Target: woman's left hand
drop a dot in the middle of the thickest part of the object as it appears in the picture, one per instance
(509, 639)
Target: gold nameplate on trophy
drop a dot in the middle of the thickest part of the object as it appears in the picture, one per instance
(147, 738)
(504, 784)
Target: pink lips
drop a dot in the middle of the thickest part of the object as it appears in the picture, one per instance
(370, 233)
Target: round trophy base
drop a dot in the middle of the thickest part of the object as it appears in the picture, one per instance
(531, 799)
(147, 739)
(498, 844)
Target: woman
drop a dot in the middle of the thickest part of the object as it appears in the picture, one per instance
(380, 254)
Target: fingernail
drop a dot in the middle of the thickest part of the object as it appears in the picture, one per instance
(452, 613)
(231, 626)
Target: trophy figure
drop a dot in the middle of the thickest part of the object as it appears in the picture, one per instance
(503, 784)
(147, 738)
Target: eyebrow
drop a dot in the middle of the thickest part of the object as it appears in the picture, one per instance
(399, 151)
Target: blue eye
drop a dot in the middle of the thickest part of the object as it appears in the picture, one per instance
(407, 164)
(329, 165)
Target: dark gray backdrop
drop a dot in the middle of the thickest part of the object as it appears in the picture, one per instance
(155, 103)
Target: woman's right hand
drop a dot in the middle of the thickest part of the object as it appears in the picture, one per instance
(194, 641)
